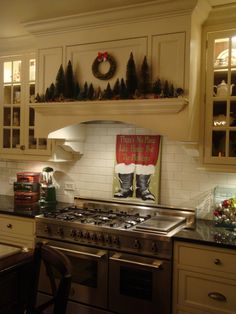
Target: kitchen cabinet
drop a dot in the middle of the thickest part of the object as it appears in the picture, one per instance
(17, 230)
(17, 94)
(204, 279)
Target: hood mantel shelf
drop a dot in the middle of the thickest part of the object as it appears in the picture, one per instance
(150, 113)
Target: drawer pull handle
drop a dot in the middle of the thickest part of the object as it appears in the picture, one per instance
(217, 261)
(217, 296)
(9, 226)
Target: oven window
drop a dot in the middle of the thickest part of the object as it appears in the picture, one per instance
(84, 272)
(136, 283)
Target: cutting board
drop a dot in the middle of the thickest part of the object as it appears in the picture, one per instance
(6, 250)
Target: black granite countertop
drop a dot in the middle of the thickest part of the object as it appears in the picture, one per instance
(9, 207)
(206, 232)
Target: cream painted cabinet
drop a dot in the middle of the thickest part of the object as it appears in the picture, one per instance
(17, 94)
(204, 279)
(220, 99)
(17, 230)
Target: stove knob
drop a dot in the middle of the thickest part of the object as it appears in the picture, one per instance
(60, 231)
(94, 236)
(108, 239)
(47, 230)
(86, 235)
(80, 234)
(137, 244)
(116, 240)
(73, 233)
(101, 238)
(154, 247)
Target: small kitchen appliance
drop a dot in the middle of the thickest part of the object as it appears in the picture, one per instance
(47, 190)
(27, 187)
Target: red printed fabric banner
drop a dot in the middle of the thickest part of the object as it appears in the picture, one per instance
(137, 168)
(137, 149)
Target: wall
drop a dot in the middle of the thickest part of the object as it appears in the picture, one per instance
(182, 182)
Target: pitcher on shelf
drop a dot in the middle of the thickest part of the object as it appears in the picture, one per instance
(221, 90)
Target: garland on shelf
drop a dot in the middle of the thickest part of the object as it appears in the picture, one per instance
(104, 57)
(134, 86)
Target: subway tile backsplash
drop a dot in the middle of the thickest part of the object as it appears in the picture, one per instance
(182, 181)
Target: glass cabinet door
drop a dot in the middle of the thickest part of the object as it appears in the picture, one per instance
(17, 94)
(33, 143)
(12, 104)
(220, 131)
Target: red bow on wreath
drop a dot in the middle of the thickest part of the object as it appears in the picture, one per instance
(102, 56)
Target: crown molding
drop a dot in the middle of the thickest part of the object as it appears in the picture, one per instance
(126, 14)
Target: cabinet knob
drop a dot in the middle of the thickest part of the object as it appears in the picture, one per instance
(217, 296)
(217, 261)
(9, 226)
(22, 147)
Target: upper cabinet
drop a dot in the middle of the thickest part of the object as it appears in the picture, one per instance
(17, 94)
(168, 34)
(219, 91)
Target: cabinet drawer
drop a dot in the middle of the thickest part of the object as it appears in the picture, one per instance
(206, 257)
(208, 294)
(11, 225)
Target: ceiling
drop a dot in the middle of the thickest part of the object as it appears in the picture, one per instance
(14, 12)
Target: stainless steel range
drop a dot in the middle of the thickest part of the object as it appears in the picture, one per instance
(121, 253)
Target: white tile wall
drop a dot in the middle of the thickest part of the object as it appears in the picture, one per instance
(182, 182)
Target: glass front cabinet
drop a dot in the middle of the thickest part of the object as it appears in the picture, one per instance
(17, 93)
(220, 123)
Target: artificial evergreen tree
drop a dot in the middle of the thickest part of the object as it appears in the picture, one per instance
(52, 92)
(76, 91)
(107, 92)
(171, 91)
(47, 95)
(116, 89)
(179, 91)
(131, 76)
(91, 92)
(38, 98)
(84, 93)
(166, 90)
(144, 77)
(157, 88)
(60, 83)
(69, 81)
(123, 90)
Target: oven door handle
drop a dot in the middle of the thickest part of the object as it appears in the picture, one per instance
(99, 254)
(155, 264)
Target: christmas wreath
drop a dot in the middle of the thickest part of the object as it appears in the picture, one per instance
(101, 57)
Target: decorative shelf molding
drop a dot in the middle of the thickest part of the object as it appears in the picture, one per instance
(166, 116)
(113, 107)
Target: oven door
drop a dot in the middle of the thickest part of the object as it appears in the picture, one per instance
(140, 284)
(89, 273)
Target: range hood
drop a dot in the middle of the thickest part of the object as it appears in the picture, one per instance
(63, 119)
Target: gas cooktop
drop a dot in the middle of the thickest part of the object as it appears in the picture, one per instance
(109, 218)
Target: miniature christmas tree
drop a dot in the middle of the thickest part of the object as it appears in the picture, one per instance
(123, 90)
(157, 88)
(69, 81)
(84, 93)
(76, 91)
(52, 92)
(131, 76)
(47, 95)
(60, 83)
(107, 92)
(179, 91)
(166, 90)
(172, 91)
(116, 89)
(144, 77)
(91, 92)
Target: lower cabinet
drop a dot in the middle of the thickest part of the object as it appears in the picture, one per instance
(204, 279)
(17, 230)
